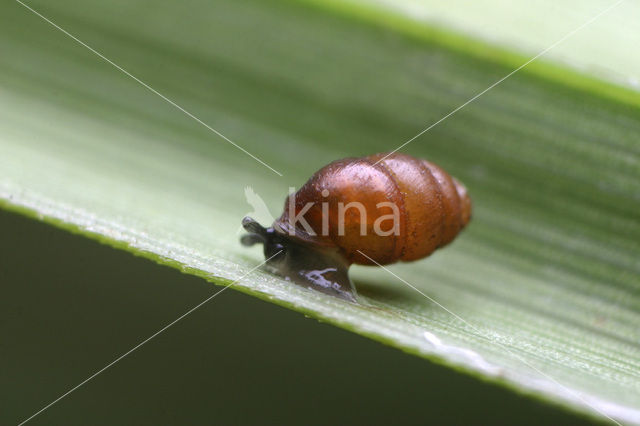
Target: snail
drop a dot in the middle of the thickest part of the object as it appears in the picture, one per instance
(374, 210)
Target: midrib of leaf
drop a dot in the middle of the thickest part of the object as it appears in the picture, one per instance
(548, 267)
(404, 24)
(530, 27)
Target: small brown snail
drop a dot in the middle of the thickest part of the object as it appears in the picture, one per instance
(372, 210)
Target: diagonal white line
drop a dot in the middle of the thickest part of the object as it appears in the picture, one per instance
(506, 348)
(569, 34)
(145, 85)
(143, 342)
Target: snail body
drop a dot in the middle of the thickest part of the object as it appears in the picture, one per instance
(378, 209)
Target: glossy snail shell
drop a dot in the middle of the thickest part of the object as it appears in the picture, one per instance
(378, 209)
(433, 208)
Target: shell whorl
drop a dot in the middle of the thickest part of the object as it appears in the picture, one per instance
(433, 207)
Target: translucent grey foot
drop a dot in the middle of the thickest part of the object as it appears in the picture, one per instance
(321, 269)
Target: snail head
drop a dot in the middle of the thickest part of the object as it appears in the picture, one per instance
(274, 244)
(314, 267)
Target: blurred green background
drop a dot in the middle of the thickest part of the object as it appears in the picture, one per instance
(236, 360)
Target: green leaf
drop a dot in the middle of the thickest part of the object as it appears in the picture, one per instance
(544, 285)
(599, 47)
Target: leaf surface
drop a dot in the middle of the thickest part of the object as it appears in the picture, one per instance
(542, 291)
